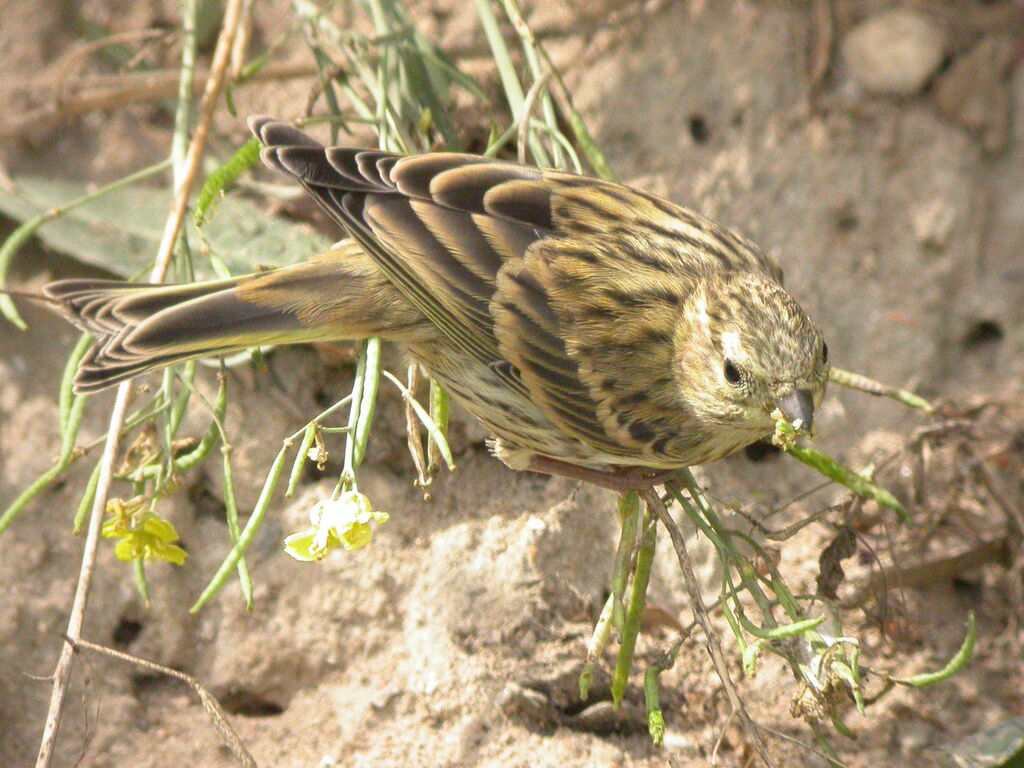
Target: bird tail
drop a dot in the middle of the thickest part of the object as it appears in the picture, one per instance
(141, 328)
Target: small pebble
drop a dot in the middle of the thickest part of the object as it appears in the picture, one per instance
(894, 52)
(933, 222)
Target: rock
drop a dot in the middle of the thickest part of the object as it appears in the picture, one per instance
(933, 222)
(894, 52)
(602, 717)
(975, 91)
(526, 705)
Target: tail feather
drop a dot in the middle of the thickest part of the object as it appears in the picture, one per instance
(106, 306)
(144, 327)
(138, 328)
(97, 372)
(212, 321)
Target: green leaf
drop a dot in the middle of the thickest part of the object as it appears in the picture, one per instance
(998, 747)
(121, 230)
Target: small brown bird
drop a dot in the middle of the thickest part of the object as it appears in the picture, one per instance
(598, 331)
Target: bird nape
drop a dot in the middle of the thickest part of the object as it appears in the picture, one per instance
(598, 331)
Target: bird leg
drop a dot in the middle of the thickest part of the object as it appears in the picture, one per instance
(621, 479)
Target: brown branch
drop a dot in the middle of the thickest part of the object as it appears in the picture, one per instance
(976, 17)
(83, 51)
(823, 32)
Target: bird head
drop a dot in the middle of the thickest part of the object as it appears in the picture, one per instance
(744, 348)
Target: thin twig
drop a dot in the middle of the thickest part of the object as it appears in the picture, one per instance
(213, 708)
(721, 738)
(713, 645)
(863, 383)
(1011, 511)
(62, 673)
(804, 745)
(85, 50)
(781, 534)
(212, 91)
(934, 571)
(240, 48)
(131, 89)
(413, 435)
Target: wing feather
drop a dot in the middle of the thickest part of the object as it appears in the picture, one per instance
(548, 278)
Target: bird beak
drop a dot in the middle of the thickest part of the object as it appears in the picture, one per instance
(798, 405)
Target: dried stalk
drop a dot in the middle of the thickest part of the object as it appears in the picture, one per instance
(62, 673)
(713, 644)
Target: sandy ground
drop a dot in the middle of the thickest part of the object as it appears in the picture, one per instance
(456, 639)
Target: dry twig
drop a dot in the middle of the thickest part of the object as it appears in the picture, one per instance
(213, 708)
(62, 673)
(109, 92)
(930, 571)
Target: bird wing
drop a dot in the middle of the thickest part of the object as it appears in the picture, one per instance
(523, 268)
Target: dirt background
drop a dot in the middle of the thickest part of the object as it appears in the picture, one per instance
(456, 639)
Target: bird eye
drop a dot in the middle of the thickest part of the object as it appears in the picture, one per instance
(732, 373)
(824, 352)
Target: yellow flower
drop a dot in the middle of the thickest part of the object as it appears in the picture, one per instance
(150, 538)
(343, 522)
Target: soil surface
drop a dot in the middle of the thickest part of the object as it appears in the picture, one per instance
(457, 637)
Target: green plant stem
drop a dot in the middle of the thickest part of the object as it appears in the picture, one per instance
(955, 664)
(141, 582)
(652, 702)
(72, 409)
(531, 49)
(433, 429)
(367, 402)
(86, 501)
(231, 512)
(634, 612)
(862, 383)
(181, 403)
(439, 407)
(629, 512)
(583, 136)
(514, 93)
(857, 483)
(186, 461)
(66, 395)
(186, 86)
(247, 534)
(300, 458)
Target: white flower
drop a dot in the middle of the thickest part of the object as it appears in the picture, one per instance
(343, 522)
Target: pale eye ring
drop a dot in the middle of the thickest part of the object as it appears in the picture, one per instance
(732, 373)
